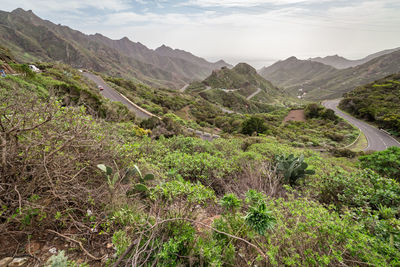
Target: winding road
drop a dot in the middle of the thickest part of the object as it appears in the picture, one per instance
(377, 140)
(253, 94)
(114, 95)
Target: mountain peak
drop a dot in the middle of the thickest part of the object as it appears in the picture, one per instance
(163, 48)
(22, 12)
(125, 39)
(245, 68)
(292, 58)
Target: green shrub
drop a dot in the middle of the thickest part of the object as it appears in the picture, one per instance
(386, 163)
(259, 218)
(253, 125)
(230, 203)
(308, 234)
(360, 189)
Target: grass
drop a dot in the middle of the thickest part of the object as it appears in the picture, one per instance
(360, 144)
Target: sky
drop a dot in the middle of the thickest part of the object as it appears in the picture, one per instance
(258, 32)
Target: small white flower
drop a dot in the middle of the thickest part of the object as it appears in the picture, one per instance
(89, 212)
(53, 250)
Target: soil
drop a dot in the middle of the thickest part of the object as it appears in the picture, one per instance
(295, 115)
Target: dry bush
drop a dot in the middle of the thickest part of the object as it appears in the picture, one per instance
(260, 176)
(48, 174)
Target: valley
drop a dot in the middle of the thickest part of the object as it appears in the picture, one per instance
(115, 154)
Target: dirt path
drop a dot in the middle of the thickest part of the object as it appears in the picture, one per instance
(295, 115)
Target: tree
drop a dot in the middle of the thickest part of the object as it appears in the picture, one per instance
(253, 124)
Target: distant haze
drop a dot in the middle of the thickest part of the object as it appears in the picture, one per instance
(255, 31)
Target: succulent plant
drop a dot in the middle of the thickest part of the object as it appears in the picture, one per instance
(293, 168)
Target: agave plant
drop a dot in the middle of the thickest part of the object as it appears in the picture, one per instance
(293, 168)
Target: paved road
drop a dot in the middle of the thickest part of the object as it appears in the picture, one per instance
(113, 95)
(184, 88)
(253, 94)
(377, 139)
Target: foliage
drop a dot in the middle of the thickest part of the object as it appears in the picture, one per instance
(141, 186)
(253, 125)
(259, 218)
(386, 163)
(293, 168)
(307, 233)
(377, 102)
(317, 111)
(360, 189)
(184, 191)
(230, 203)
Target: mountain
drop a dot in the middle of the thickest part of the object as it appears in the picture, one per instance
(320, 81)
(32, 39)
(293, 74)
(378, 102)
(243, 78)
(240, 89)
(343, 63)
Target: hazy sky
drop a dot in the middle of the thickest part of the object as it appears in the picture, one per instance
(255, 31)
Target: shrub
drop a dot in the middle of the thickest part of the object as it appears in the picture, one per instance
(360, 189)
(308, 234)
(253, 125)
(386, 163)
(259, 218)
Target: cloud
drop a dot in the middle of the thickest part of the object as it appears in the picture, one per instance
(45, 6)
(246, 3)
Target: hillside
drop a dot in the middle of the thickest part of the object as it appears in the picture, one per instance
(293, 74)
(33, 39)
(324, 82)
(343, 63)
(377, 102)
(235, 87)
(83, 183)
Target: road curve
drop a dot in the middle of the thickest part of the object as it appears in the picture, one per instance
(113, 95)
(184, 88)
(377, 139)
(253, 94)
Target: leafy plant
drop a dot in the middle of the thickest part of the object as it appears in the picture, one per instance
(230, 202)
(293, 168)
(259, 218)
(386, 163)
(141, 186)
(253, 125)
(111, 179)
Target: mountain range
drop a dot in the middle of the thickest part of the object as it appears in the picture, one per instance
(339, 62)
(32, 39)
(320, 81)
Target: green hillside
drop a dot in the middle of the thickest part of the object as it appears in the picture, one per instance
(241, 89)
(378, 102)
(242, 77)
(94, 185)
